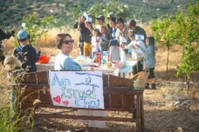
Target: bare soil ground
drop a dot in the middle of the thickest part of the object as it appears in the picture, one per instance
(159, 114)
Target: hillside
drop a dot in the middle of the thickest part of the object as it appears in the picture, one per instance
(65, 11)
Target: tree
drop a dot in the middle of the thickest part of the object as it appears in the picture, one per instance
(164, 33)
(188, 37)
(37, 27)
(182, 29)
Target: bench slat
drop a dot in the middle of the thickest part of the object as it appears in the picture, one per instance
(85, 117)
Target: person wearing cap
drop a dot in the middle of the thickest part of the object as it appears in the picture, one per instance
(87, 43)
(140, 33)
(100, 22)
(80, 25)
(4, 35)
(24, 52)
(63, 61)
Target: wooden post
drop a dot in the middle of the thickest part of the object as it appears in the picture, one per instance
(142, 112)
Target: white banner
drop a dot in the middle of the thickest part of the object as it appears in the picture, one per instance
(77, 89)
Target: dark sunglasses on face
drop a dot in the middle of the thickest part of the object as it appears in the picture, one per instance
(68, 41)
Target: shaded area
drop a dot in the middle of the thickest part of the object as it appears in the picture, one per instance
(171, 76)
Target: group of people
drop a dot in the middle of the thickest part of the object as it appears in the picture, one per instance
(118, 39)
(121, 40)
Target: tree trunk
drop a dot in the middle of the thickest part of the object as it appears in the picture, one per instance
(188, 84)
(167, 64)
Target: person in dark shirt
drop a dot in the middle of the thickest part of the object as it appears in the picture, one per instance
(25, 52)
(105, 38)
(80, 25)
(112, 27)
(3, 36)
(140, 33)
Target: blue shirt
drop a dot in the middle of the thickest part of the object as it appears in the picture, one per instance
(64, 62)
(28, 56)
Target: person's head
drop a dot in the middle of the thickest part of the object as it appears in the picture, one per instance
(103, 30)
(65, 43)
(96, 32)
(89, 22)
(82, 19)
(100, 20)
(23, 36)
(150, 41)
(111, 15)
(132, 24)
(120, 23)
(112, 22)
(114, 43)
(11, 63)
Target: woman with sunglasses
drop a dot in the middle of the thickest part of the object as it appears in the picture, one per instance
(63, 61)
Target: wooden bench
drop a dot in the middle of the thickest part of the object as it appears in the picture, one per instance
(119, 95)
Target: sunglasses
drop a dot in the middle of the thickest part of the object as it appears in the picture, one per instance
(68, 41)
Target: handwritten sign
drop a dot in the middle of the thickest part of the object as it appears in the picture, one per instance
(77, 89)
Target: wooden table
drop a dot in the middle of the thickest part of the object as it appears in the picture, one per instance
(122, 72)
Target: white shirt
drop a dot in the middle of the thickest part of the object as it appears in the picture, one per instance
(96, 43)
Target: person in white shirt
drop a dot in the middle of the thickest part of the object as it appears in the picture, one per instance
(137, 49)
(122, 32)
(96, 42)
(63, 61)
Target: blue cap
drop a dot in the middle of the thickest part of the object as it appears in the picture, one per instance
(22, 34)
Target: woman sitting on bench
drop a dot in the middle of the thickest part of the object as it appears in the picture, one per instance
(63, 61)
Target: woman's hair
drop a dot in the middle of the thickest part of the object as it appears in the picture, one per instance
(104, 28)
(120, 20)
(97, 31)
(113, 19)
(60, 39)
(132, 23)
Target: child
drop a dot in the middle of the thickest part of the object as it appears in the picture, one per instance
(96, 42)
(27, 55)
(149, 60)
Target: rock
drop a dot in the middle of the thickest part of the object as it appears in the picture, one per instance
(181, 103)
